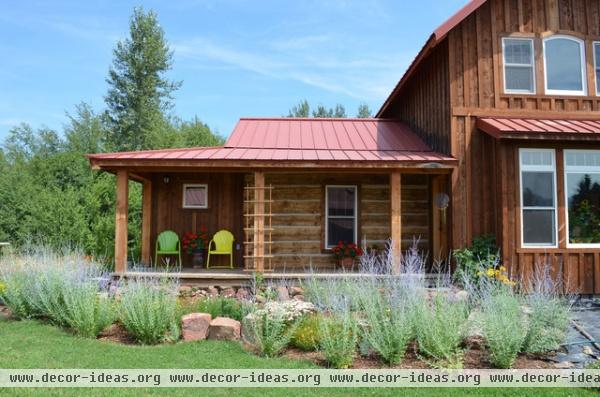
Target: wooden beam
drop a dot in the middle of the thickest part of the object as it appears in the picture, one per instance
(259, 221)
(122, 205)
(396, 217)
(146, 222)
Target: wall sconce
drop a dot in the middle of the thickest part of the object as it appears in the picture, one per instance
(442, 201)
(166, 179)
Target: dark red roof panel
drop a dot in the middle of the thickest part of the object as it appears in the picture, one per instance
(294, 139)
(504, 127)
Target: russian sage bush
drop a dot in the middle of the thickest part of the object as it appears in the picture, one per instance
(270, 332)
(149, 309)
(504, 327)
(86, 311)
(338, 337)
(440, 325)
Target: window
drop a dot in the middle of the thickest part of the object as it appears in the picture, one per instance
(519, 76)
(564, 63)
(340, 214)
(582, 190)
(597, 66)
(538, 197)
(195, 196)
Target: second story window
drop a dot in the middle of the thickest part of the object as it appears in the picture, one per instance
(519, 74)
(564, 63)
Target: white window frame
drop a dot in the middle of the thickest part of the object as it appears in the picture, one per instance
(581, 43)
(518, 65)
(355, 226)
(538, 168)
(576, 170)
(185, 186)
(596, 66)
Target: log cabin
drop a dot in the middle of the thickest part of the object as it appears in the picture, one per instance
(495, 122)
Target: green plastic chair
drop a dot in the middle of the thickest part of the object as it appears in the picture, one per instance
(167, 243)
(223, 243)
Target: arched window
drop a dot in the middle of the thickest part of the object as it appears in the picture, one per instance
(564, 65)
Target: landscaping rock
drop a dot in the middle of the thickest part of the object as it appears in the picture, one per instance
(243, 294)
(194, 326)
(185, 290)
(296, 291)
(260, 299)
(299, 297)
(564, 365)
(588, 350)
(282, 294)
(223, 328)
(228, 293)
(461, 295)
(212, 291)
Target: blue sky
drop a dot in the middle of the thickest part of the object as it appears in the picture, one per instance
(235, 57)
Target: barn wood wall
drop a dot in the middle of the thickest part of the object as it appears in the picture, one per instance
(298, 215)
(225, 192)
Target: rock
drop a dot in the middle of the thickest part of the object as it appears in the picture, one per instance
(199, 293)
(228, 293)
(185, 290)
(212, 291)
(588, 350)
(194, 326)
(296, 291)
(282, 294)
(243, 294)
(461, 295)
(260, 299)
(223, 328)
(299, 297)
(564, 365)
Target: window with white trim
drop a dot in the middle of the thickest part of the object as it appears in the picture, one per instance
(582, 190)
(195, 196)
(340, 215)
(519, 71)
(564, 65)
(597, 66)
(538, 197)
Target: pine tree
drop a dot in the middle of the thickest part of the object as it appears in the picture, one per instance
(139, 95)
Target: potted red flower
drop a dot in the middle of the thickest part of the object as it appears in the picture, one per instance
(195, 244)
(346, 253)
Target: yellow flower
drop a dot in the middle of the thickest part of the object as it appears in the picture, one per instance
(490, 272)
(502, 269)
(480, 274)
(497, 273)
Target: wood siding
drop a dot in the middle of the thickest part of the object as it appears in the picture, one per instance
(298, 215)
(225, 193)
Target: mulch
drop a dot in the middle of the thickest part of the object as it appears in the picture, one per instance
(118, 334)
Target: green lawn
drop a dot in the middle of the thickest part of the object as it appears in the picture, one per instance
(29, 344)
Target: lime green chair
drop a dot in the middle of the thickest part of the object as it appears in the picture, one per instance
(223, 245)
(167, 243)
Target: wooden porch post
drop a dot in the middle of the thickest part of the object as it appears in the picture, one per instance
(121, 221)
(259, 221)
(396, 217)
(146, 222)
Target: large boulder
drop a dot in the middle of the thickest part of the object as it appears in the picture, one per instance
(223, 328)
(194, 326)
(282, 294)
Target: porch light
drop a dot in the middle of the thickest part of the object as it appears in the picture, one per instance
(166, 179)
(442, 201)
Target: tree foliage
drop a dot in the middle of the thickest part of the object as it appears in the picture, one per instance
(303, 109)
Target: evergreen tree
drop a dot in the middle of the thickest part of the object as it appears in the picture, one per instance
(139, 95)
(300, 110)
(364, 112)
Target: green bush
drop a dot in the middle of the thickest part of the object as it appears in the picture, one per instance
(504, 328)
(88, 312)
(269, 332)
(338, 337)
(547, 323)
(440, 325)
(389, 328)
(306, 335)
(149, 310)
(16, 293)
(220, 306)
(482, 254)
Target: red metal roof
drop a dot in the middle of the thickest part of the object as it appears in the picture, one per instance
(293, 139)
(528, 128)
(438, 35)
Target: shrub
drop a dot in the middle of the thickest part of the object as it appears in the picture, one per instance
(290, 310)
(389, 328)
(269, 332)
(440, 325)
(220, 306)
(338, 337)
(88, 312)
(470, 261)
(503, 328)
(306, 335)
(16, 294)
(149, 309)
